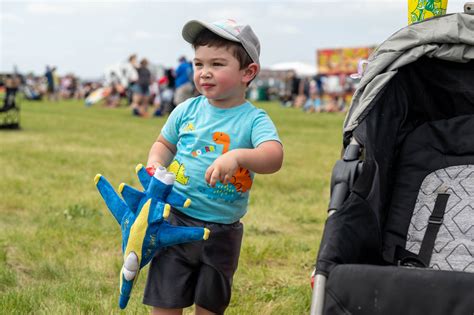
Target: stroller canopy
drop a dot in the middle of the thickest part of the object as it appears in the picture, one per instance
(450, 38)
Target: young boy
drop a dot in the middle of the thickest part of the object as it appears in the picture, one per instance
(214, 143)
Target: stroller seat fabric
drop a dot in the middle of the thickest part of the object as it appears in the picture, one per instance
(431, 217)
(454, 240)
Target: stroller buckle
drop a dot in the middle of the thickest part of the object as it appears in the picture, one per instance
(435, 220)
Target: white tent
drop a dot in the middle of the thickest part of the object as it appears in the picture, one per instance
(301, 68)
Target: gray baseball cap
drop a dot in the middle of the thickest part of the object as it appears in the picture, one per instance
(228, 29)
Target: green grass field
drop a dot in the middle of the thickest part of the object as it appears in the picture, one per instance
(60, 246)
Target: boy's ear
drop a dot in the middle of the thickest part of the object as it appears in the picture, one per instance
(250, 72)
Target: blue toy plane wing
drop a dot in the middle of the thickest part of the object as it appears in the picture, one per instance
(160, 212)
(116, 205)
(178, 200)
(171, 235)
(143, 176)
(131, 196)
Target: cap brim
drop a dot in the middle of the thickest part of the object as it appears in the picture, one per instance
(194, 27)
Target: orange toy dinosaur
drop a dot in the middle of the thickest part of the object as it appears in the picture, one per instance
(241, 178)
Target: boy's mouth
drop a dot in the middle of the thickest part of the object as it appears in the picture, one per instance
(207, 85)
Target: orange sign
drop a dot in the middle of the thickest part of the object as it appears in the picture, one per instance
(342, 60)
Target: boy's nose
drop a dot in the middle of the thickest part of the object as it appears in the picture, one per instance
(205, 74)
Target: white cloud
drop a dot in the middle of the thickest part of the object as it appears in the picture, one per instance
(286, 12)
(119, 38)
(219, 14)
(49, 8)
(11, 18)
(142, 35)
(287, 29)
(145, 35)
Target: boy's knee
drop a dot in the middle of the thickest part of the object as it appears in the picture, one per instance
(202, 311)
(166, 311)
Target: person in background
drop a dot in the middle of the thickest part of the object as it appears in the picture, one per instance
(50, 79)
(57, 84)
(142, 90)
(313, 104)
(131, 75)
(113, 99)
(294, 87)
(332, 105)
(184, 87)
(31, 88)
(155, 95)
(166, 85)
(64, 85)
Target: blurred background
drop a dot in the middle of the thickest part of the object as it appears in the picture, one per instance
(67, 76)
(309, 48)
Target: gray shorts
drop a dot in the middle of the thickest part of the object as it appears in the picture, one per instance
(195, 273)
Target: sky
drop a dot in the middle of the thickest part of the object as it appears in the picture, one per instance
(84, 37)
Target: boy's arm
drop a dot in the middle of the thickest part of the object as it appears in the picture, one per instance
(161, 153)
(267, 158)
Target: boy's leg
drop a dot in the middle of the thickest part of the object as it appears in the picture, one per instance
(202, 311)
(219, 260)
(166, 311)
(179, 311)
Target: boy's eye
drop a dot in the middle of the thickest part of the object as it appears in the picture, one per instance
(198, 64)
(217, 64)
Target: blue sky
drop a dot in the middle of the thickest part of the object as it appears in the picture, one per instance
(84, 37)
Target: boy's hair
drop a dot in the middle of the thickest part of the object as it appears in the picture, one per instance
(208, 38)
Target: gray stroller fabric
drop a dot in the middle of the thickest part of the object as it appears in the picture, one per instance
(454, 245)
(450, 38)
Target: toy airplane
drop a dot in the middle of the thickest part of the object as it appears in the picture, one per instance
(141, 216)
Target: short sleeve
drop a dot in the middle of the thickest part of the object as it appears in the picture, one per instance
(263, 129)
(170, 130)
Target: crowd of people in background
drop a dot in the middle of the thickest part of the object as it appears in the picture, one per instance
(52, 87)
(152, 91)
(311, 93)
(146, 89)
(161, 89)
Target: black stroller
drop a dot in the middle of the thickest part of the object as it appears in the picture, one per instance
(399, 238)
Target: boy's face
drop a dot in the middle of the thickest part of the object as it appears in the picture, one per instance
(218, 77)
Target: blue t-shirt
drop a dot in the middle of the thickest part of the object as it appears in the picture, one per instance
(202, 133)
(184, 74)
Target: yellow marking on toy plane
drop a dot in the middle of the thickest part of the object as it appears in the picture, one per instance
(137, 232)
(122, 185)
(138, 168)
(187, 203)
(166, 211)
(121, 281)
(97, 178)
(206, 234)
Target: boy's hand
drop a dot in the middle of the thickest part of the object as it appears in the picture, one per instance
(222, 169)
(151, 168)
